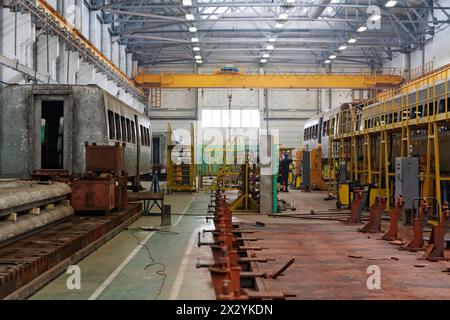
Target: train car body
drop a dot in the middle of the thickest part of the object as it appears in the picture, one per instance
(45, 127)
(411, 121)
(318, 129)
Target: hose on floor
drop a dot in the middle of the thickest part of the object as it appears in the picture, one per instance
(153, 261)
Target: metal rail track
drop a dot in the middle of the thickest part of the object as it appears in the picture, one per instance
(30, 263)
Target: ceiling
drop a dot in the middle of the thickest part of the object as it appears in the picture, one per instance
(305, 32)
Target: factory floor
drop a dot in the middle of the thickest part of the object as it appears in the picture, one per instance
(142, 265)
(335, 261)
(332, 259)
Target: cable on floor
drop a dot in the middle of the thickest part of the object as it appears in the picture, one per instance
(154, 229)
(208, 215)
(153, 261)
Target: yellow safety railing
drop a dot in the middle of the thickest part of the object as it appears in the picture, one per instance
(414, 113)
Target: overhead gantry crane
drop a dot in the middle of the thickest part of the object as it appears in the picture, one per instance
(269, 81)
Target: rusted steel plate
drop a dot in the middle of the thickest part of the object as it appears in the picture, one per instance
(27, 258)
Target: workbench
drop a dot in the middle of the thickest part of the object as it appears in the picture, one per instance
(149, 199)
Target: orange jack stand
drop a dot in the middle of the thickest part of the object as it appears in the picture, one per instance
(355, 209)
(376, 210)
(436, 247)
(417, 242)
(392, 234)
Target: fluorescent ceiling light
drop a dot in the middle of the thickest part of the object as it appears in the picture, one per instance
(266, 55)
(327, 61)
(194, 39)
(198, 57)
(283, 16)
(187, 2)
(375, 17)
(278, 26)
(196, 48)
(192, 29)
(269, 47)
(342, 48)
(352, 40)
(362, 29)
(390, 4)
(272, 39)
(332, 56)
(190, 16)
(263, 60)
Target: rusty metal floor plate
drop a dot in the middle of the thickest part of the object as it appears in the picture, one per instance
(324, 269)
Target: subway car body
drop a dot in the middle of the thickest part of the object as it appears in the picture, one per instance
(407, 109)
(45, 127)
(317, 131)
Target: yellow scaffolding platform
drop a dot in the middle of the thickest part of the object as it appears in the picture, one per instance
(409, 121)
(180, 164)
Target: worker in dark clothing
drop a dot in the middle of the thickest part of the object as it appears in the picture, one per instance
(284, 169)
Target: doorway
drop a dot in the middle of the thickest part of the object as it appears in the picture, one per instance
(52, 135)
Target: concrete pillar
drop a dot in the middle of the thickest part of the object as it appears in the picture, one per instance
(267, 144)
(129, 62)
(266, 201)
(134, 67)
(122, 58)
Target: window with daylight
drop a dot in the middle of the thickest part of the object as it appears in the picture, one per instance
(234, 118)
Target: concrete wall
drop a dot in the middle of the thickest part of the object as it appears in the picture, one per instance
(288, 108)
(48, 55)
(15, 45)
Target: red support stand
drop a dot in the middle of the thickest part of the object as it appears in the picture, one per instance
(375, 213)
(355, 217)
(392, 233)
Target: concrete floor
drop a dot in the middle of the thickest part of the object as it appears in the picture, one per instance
(120, 269)
(323, 268)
